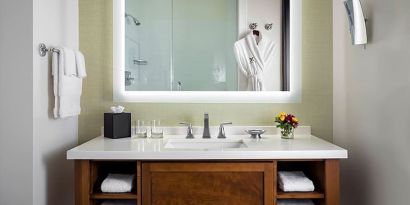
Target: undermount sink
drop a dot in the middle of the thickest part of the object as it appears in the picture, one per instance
(204, 144)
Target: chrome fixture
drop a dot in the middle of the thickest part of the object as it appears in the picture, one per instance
(140, 62)
(179, 86)
(129, 80)
(221, 134)
(135, 20)
(43, 50)
(357, 22)
(255, 133)
(269, 26)
(189, 134)
(253, 26)
(206, 134)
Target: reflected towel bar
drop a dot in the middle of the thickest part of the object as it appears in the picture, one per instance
(43, 50)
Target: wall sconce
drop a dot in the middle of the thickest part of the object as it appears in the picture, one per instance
(357, 22)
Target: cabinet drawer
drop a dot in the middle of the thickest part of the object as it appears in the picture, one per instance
(207, 183)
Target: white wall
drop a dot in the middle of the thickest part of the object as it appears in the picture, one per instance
(33, 168)
(371, 105)
(55, 24)
(16, 100)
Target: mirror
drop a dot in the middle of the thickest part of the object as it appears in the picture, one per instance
(191, 50)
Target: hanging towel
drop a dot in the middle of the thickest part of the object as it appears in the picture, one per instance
(54, 72)
(69, 63)
(117, 183)
(67, 89)
(294, 202)
(80, 64)
(295, 181)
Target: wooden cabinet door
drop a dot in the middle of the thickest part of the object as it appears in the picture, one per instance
(191, 183)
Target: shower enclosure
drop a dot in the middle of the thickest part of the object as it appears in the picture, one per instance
(148, 45)
(180, 45)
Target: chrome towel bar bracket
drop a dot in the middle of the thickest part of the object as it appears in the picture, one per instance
(43, 50)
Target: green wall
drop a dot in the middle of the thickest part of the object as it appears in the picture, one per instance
(315, 109)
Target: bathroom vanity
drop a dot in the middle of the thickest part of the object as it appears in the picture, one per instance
(237, 170)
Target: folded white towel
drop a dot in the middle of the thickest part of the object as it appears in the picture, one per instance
(70, 67)
(54, 68)
(118, 202)
(117, 183)
(67, 89)
(294, 202)
(295, 182)
(80, 64)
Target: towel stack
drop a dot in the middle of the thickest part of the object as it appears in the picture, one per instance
(117, 183)
(295, 181)
(68, 70)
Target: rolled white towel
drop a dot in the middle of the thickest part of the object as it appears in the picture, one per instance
(295, 181)
(118, 202)
(117, 183)
(295, 202)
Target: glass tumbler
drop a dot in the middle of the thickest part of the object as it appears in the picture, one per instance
(156, 129)
(140, 129)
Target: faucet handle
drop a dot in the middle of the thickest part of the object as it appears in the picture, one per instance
(221, 134)
(190, 134)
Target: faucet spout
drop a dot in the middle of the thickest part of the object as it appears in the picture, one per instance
(206, 134)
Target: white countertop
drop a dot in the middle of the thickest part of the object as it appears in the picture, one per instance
(268, 148)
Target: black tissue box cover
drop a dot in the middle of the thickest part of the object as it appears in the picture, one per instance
(117, 125)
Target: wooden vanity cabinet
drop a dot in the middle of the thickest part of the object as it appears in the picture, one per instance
(206, 183)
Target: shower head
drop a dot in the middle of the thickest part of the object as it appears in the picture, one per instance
(135, 20)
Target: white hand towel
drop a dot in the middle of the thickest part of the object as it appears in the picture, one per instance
(80, 64)
(117, 183)
(295, 182)
(70, 67)
(54, 68)
(67, 89)
(295, 202)
(118, 202)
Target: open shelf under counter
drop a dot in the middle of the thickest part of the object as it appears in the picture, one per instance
(116, 196)
(300, 195)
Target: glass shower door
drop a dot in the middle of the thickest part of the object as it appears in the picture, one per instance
(148, 44)
(204, 32)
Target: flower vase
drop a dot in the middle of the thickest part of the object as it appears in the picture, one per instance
(287, 133)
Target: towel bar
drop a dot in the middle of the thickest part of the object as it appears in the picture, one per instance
(43, 50)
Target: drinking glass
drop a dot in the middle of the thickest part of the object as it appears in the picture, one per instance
(140, 129)
(156, 129)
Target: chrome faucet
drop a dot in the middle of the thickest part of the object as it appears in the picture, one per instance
(206, 134)
(189, 134)
(221, 134)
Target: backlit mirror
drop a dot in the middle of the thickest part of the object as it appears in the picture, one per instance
(207, 50)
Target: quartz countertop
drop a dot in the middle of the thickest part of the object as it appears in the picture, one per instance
(270, 147)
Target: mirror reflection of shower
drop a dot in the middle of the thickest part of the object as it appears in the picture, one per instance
(134, 20)
(129, 80)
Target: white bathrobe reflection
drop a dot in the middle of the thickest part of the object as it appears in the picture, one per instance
(253, 54)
